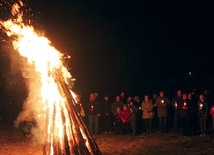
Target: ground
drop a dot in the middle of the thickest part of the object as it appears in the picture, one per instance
(15, 143)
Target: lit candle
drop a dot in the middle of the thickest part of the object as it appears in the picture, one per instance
(185, 103)
(162, 101)
(176, 105)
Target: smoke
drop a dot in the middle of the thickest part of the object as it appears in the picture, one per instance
(32, 110)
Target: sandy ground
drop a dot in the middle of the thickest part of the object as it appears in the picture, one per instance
(12, 142)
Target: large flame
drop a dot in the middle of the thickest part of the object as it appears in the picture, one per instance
(45, 71)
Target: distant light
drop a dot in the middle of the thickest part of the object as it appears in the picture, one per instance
(190, 74)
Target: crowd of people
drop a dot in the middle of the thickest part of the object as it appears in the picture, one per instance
(188, 113)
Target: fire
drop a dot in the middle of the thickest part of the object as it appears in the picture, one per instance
(49, 95)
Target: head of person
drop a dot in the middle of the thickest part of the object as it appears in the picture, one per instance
(201, 97)
(161, 93)
(129, 99)
(106, 97)
(91, 97)
(96, 94)
(146, 97)
(154, 95)
(125, 107)
(179, 93)
(136, 99)
(122, 94)
(117, 98)
(78, 98)
(189, 96)
(184, 96)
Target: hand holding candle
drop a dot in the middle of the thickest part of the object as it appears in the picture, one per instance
(200, 106)
(185, 104)
(92, 107)
(176, 105)
(163, 103)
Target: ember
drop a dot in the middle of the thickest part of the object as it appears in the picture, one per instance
(50, 98)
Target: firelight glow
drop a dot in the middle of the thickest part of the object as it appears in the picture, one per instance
(47, 65)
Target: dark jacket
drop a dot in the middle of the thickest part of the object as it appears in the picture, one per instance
(178, 101)
(106, 107)
(162, 104)
(93, 108)
(115, 105)
(184, 112)
(202, 109)
(133, 112)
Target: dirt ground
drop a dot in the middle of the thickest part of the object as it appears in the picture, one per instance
(12, 142)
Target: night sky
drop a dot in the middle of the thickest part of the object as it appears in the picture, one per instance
(132, 45)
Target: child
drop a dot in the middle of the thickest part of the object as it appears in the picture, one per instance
(124, 116)
(212, 114)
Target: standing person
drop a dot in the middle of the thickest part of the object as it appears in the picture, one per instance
(139, 122)
(155, 118)
(185, 116)
(202, 114)
(124, 116)
(106, 111)
(81, 108)
(193, 114)
(115, 109)
(162, 104)
(94, 112)
(116, 104)
(133, 116)
(212, 115)
(147, 108)
(117, 122)
(177, 104)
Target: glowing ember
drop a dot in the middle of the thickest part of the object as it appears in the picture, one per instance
(50, 99)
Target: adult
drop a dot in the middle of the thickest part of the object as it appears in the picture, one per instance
(177, 104)
(162, 104)
(147, 108)
(202, 114)
(107, 114)
(94, 112)
(133, 116)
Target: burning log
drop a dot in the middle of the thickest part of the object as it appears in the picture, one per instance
(77, 138)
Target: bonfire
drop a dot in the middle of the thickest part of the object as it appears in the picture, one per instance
(50, 98)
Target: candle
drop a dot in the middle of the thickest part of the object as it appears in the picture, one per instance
(162, 101)
(92, 107)
(185, 103)
(176, 105)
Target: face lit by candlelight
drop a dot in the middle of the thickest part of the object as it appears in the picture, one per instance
(201, 98)
(146, 98)
(184, 96)
(92, 97)
(161, 94)
(117, 98)
(179, 93)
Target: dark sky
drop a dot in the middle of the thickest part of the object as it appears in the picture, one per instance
(132, 45)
